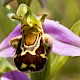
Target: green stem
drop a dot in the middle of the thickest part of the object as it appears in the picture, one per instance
(37, 76)
(21, 1)
(47, 69)
(28, 2)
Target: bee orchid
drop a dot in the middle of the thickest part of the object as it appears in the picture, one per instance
(34, 38)
(65, 42)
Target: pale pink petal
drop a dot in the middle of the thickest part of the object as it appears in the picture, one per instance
(64, 49)
(5, 48)
(14, 75)
(60, 32)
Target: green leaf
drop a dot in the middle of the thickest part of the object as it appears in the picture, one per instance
(76, 28)
(6, 25)
(57, 64)
(71, 13)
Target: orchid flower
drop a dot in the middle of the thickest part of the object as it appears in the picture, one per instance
(65, 42)
(43, 36)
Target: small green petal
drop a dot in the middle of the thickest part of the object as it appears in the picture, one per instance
(22, 10)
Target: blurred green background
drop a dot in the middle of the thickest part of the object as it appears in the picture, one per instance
(67, 12)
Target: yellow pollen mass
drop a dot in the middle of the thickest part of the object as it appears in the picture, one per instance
(33, 65)
(23, 65)
(43, 55)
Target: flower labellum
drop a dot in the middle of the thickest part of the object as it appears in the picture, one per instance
(33, 46)
(34, 38)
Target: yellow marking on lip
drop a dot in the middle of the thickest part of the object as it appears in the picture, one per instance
(15, 55)
(43, 55)
(33, 65)
(23, 65)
